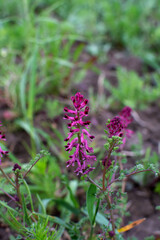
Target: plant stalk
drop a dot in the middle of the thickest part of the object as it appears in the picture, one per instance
(111, 214)
(8, 179)
(91, 233)
(32, 166)
(105, 167)
(18, 187)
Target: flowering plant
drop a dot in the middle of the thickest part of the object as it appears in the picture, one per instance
(112, 168)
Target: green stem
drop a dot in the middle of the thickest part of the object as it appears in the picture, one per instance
(7, 194)
(8, 179)
(105, 167)
(18, 188)
(128, 175)
(111, 214)
(104, 188)
(32, 166)
(91, 180)
(91, 233)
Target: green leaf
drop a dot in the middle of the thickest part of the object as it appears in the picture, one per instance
(62, 203)
(32, 86)
(8, 208)
(52, 219)
(26, 218)
(15, 223)
(72, 187)
(96, 211)
(100, 218)
(28, 127)
(90, 200)
(12, 237)
(158, 208)
(22, 88)
(29, 194)
(42, 208)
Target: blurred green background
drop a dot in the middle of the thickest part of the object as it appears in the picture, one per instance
(43, 45)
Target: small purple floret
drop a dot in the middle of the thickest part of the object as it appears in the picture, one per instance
(16, 166)
(109, 162)
(16, 198)
(111, 233)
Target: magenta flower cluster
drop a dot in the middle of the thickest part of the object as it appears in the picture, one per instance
(126, 116)
(115, 127)
(2, 138)
(77, 126)
(118, 125)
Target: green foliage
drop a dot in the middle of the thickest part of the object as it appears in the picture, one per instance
(36, 56)
(92, 18)
(131, 90)
(150, 161)
(158, 207)
(46, 169)
(150, 238)
(41, 230)
(98, 100)
(28, 81)
(23, 217)
(90, 201)
(54, 108)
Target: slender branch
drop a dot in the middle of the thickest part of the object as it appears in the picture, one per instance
(32, 166)
(104, 188)
(124, 180)
(8, 179)
(18, 187)
(113, 176)
(111, 214)
(105, 167)
(7, 194)
(91, 180)
(130, 174)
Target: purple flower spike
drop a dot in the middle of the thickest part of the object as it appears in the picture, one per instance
(77, 127)
(115, 127)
